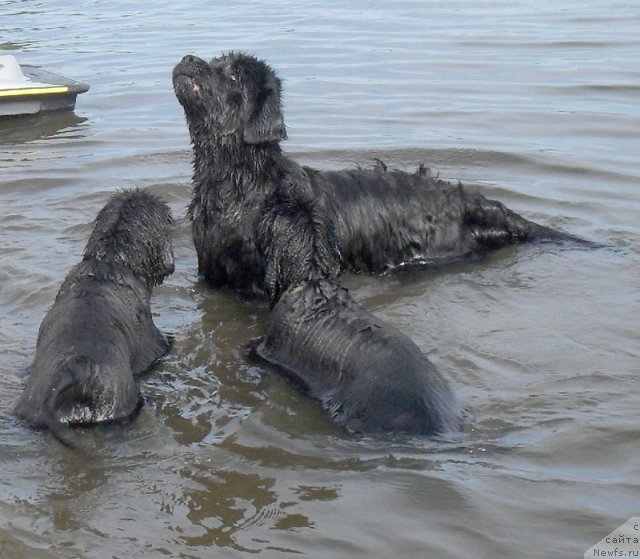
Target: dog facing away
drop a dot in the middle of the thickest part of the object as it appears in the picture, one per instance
(381, 219)
(369, 376)
(99, 334)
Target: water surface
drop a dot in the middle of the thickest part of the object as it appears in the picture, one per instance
(533, 103)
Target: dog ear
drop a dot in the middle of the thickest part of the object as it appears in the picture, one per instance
(266, 123)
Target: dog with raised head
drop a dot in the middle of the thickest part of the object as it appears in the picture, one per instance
(381, 218)
(369, 376)
(99, 334)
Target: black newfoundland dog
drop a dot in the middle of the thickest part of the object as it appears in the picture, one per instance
(99, 334)
(381, 219)
(261, 222)
(369, 376)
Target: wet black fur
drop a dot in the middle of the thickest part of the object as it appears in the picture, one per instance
(99, 333)
(262, 222)
(380, 218)
(369, 376)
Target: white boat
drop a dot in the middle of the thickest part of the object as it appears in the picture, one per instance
(28, 90)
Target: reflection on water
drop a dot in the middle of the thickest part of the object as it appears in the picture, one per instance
(533, 104)
(23, 129)
(228, 503)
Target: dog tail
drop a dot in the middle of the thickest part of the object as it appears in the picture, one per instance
(534, 232)
(67, 381)
(49, 416)
(495, 225)
(61, 431)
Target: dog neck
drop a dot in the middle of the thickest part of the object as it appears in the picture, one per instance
(227, 162)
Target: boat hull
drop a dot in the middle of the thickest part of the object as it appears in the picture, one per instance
(48, 92)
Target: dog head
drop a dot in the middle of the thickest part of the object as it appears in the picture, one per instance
(132, 231)
(235, 96)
